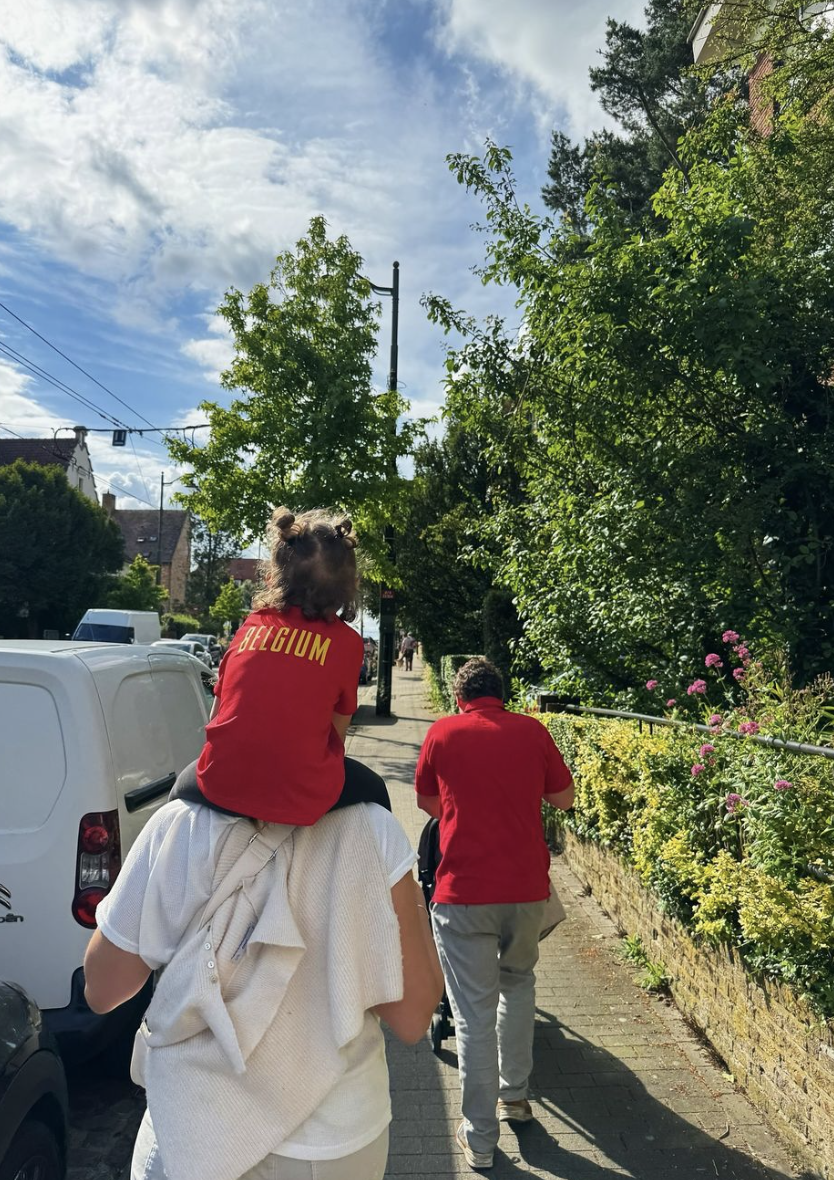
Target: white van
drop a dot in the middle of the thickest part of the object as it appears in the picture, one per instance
(119, 626)
(92, 737)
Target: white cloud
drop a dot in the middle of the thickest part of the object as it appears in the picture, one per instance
(547, 44)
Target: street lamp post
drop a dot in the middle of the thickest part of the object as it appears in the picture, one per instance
(163, 484)
(387, 594)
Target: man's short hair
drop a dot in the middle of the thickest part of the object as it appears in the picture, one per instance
(478, 678)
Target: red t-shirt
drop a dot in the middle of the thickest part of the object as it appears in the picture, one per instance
(271, 751)
(491, 768)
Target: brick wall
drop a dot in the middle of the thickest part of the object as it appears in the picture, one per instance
(778, 1054)
(761, 106)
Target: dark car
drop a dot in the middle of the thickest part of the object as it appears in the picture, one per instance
(33, 1093)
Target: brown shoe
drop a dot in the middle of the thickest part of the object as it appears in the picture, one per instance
(477, 1160)
(514, 1112)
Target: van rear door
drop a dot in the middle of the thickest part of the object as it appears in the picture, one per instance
(54, 768)
(144, 761)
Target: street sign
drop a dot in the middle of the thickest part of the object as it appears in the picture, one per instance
(119, 438)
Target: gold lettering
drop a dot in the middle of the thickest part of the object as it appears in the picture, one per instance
(255, 639)
(319, 649)
(266, 639)
(280, 636)
(303, 643)
(290, 641)
(245, 641)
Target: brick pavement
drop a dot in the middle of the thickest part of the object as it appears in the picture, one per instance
(621, 1087)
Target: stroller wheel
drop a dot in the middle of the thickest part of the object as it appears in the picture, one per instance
(438, 1032)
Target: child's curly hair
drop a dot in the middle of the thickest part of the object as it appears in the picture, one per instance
(312, 565)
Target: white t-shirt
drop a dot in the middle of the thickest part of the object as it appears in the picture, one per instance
(167, 877)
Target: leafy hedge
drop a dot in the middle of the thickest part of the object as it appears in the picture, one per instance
(735, 839)
(448, 670)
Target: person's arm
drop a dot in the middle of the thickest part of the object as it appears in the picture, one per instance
(215, 705)
(111, 975)
(425, 781)
(341, 723)
(409, 1017)
(430, 804)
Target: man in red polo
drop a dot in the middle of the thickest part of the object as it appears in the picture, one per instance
(484, 773)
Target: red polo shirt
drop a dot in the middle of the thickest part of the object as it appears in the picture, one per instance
(491, 768)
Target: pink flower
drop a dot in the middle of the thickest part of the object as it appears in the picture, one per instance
(733, 801)
(741, 651)
(730, 637)
(713, 660)
(650, 684)
(670, 704)
(782, 784)
(705, 749)
(696, 686)
(716, 719)
(738, 674)
(696, 769)
(750, 727)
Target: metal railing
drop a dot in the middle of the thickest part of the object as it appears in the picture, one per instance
(551, 703)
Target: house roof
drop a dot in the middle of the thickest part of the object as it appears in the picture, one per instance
(140, 529)
(244, 569)
(49, 452)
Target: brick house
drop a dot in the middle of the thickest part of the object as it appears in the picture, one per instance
(172, 552)
(244, 569)
(70, 454)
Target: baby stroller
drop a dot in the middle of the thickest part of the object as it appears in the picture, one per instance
(428, 858)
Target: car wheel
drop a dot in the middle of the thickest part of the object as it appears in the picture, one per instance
(33, 1154)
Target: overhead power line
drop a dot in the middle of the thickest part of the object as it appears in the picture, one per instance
(54, 455)
(70, 361)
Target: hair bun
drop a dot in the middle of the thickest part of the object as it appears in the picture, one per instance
(283, 520)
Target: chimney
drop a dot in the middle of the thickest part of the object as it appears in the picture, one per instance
(108, 503)
(80, 435)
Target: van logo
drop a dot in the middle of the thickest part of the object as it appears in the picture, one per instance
(6, 903)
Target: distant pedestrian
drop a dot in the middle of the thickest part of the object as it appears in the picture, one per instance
(484, 774)
(407, 650)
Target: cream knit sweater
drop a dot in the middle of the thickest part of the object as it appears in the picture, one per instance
(247, 1020)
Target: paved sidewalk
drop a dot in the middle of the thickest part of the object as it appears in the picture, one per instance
(621, 1087)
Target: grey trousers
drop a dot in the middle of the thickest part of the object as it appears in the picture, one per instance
(367, 1164)
(488, 953)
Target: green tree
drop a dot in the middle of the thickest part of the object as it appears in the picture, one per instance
(443, 582)
(229, 607)
(672, 393)
(211, 552)
(137, 588)
(306, 427)
(57, 550)
(647, 84)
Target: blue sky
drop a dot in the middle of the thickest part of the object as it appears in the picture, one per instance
(156, 152)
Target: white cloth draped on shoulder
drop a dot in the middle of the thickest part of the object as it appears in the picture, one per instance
(248, 1019)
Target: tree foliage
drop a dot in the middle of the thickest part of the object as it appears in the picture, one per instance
(443, 582)
(229, 606)
(666, 407)
(211, 552)
(57, 550)
(305, 426)
(647, 85)
(137, 588)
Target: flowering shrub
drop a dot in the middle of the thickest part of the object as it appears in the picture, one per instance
(736, 839)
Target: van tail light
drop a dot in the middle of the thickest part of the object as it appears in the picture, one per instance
(97, 863)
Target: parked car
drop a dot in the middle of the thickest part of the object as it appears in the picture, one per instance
(197, 650)
(92, 738)
(119, 626)
(209, 642)
(33, 1093)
